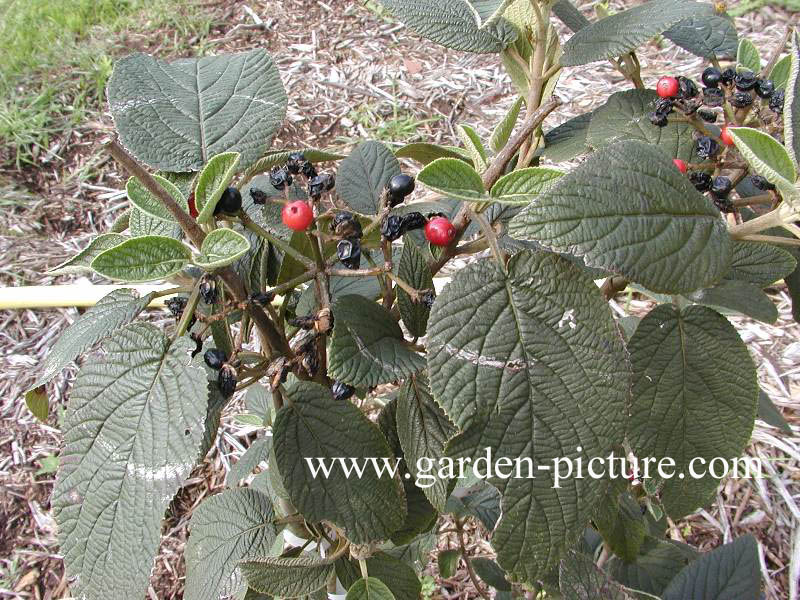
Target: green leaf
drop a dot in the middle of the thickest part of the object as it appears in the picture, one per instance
(731, 572)
(630, 211)
(505, 127)
(369, 589)
(175, 116)
(652, 570)
(780, 72)
(694, 396)
(421, 516)
(625, 117)
(257, 453)
(619, 519)
(423, 429)
(474, 147)
(414, 270)
(453, 178)
(121, 223)
(398, 576)
(760, 264)
(258, 401)
(142, 224)
(363, 175)
(580, 578)
(768, 158)
(770, 414)
(416, 554)
(276, 158)
(570, 15)
(37, 403)
(491, 573)
(523, 186)
(313, 424)
(367, 347)
(141, 198)
(142, 259)
(511, 358)
(287, 577)
(739, 296)
(707, 36)
(111, 312)
(211, 183)
(133, 429)
(625, 31)
(220, 248)
(448, 562)
(226, 528)
(81, 262)
(747, 57)
(455, 24)
(568, 140)
(427, 153)
(791, 104)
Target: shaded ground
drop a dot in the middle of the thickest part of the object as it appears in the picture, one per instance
(349, 74)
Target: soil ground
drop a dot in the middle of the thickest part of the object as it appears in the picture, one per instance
(350, 74)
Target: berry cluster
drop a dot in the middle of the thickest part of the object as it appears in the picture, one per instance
(347, 226)
(227, 378)
(727, 94)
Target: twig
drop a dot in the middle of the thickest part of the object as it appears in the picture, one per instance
(470, 571)
(776, 53)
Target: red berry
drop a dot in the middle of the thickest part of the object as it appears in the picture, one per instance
(681, 164)
(726, 136)
(440, 231)
(668, 87)
(297, 215)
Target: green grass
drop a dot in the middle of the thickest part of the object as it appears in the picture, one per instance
(57, 56)
(398, 126)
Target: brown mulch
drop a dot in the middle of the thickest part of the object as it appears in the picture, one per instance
(335, 57)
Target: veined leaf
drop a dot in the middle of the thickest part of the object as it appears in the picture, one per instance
(694, 395)
(580, 578)
(369, 588)
(768, 158)
(512, 357)
(747, 58)
(257, 453)
(731, 572)
(222, 247)
(363, 175)
(779, 75)
(398, 576)
(505, 127)
(146, 202)
(312, 425)
(211, 183)
(287, 577)
(474, 147)
(739, 296)
(111, 312)
(176, 116)
(760, 264)
(630, 211)
(769, 413)
(568, 140)
(134, 426)
(791, 104)
(142, 224)
(226, 528)
(626, 30)
(491, 573)
(453, 178)
(427, 153)
(570, 15)
(414, 270)
(523, 186)
(367, 347)
(142, 259)
(82, 261)
(707, 36)
(455, 24)
(652, 570)
(448, 562)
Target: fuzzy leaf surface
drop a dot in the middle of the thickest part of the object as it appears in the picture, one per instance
(142, 259)
(363, 175)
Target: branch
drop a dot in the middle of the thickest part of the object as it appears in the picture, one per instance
(777, 53)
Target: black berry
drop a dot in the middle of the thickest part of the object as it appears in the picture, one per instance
(308, 170)
(399, 187)
(727, 76)
(412, 221)
(745, 81)
(349, 252)
(262, 298)
(176, 305)
(761, 183)
(709, 116)
(688, 88)
(706, 147)
(392, 228)
(258, 196)
(664, 106)
(721, 186)
(198, 344)
(658, 120)
(741, 99)
(295, 162)
(342, 391)
(776, 102)
(428, 299)
(227, 380)
(713, 97)
(711, 77)
(764, 88)
(230, 202)
(700, 180)
(208, 290)
(280, 178)
(319, 184)
(215, 358)
(345, 224)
